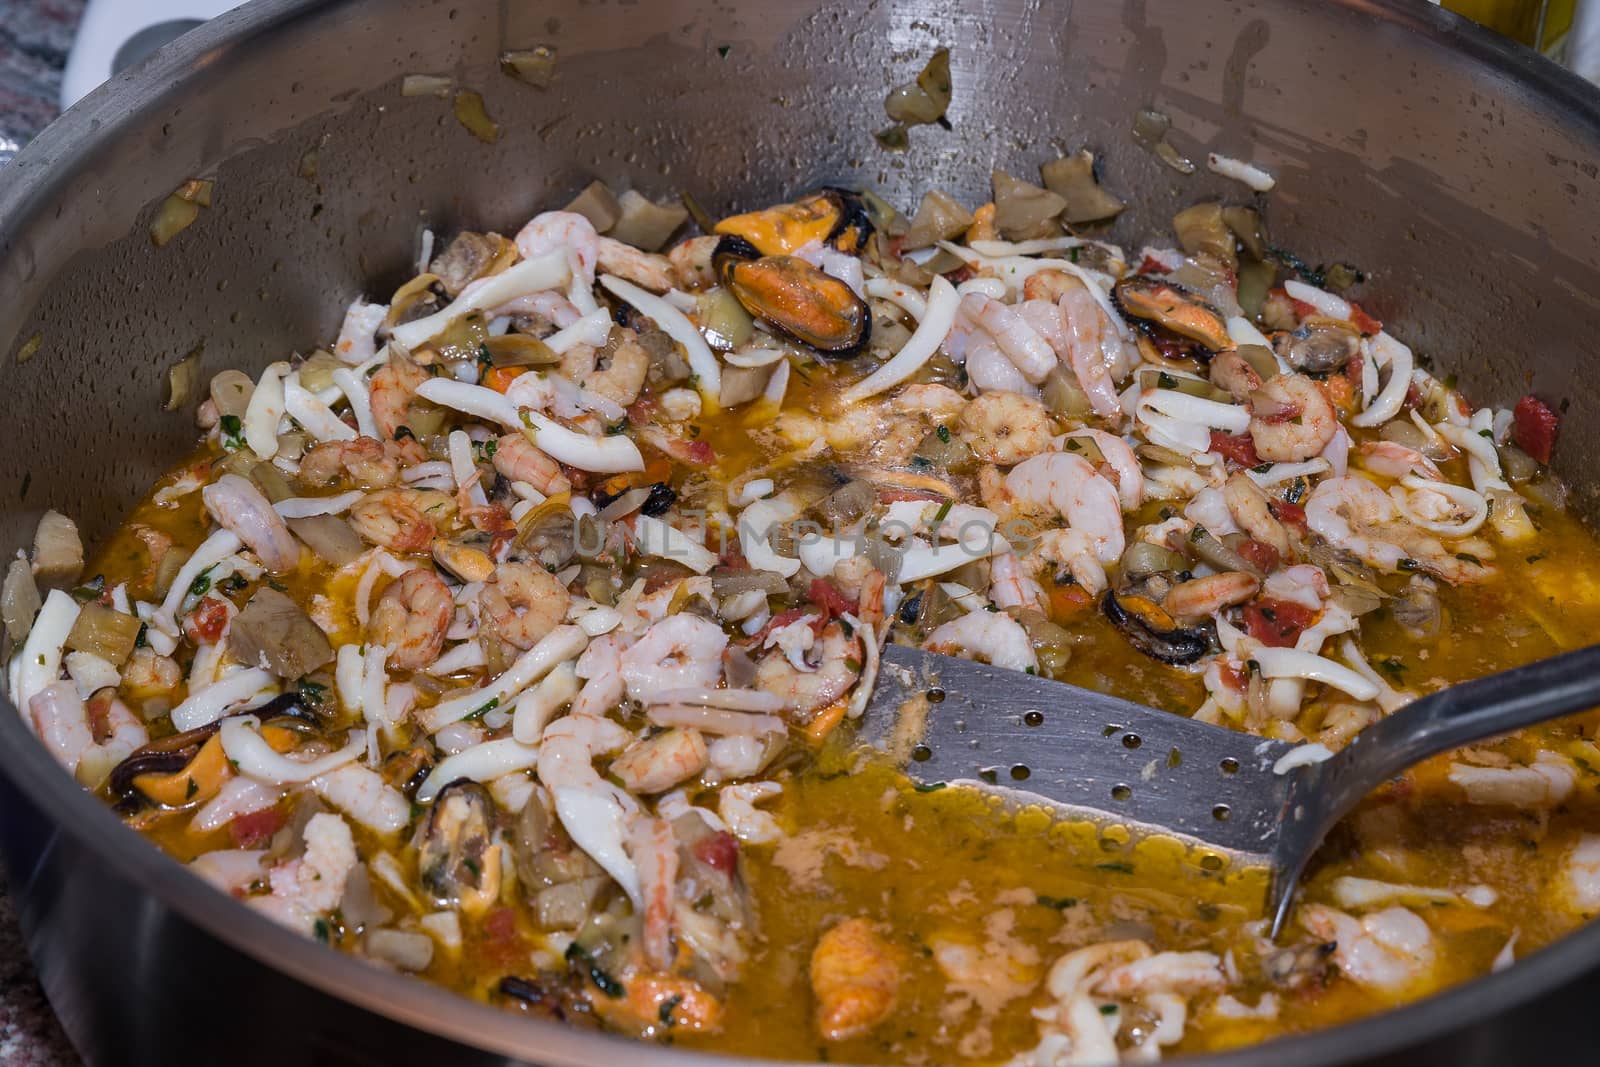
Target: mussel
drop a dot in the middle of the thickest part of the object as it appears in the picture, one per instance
(833, 216)
(814, 308)
(1318, 345)
(1153, 631)
(1153, 303)
(458, 862)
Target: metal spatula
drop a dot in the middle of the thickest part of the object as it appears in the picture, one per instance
(955, 721)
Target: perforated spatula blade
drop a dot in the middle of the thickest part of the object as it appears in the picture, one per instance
(1078, 750)
(959, 722)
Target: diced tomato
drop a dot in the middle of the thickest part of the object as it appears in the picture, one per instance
(1288, 514)
(640, 410)
(1239, 448)
(1151, 265)
(1234, 676)
(207, 621)
(1413, 395)
(1301, 308)
(784, 618)
(500, 378)
(1363, 322)
(502, 941)
(1277, 623)
(500, 924)
(1068, 600)
(896, 246)
(732, 558)
(895, 494)
(719, 851)
(256, 829)
(1259, 553)
(960, 274)
(699, 453)
(1534, 426)
(826, 595)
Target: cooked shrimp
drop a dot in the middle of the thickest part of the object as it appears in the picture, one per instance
(411, 618)
(736, 804)
(855, 979)
(691, 262)
(1231, 371)
(87, 740)
(991, 636)
(1394, 460)
(365, 462)
(809, 690)
(1068, 485)
(1028, 352)
(937, 402)
(402, 520)
(1291, 419)
(623, 373)
(1387, 949)
(1200, 598)
(989, 369)
(1005, 428)
(1353, 514)
(148, 673)
(1121, 465)
(647, 270)
(394, 386)
(1247, 503)
(520, 460)
(1051, 284)
(525, 602)
(1010, 586)
(656, 764)
(1086, 351)
(1070, 550)
(679, 652)
(550, 230)
(308, 887)
(238, 506)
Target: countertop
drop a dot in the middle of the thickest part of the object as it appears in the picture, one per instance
(34, 38)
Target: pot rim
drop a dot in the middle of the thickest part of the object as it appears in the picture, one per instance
(49, 161)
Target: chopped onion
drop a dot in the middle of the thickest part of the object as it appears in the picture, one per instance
(930, 334)
(677, 325)
(250, 752)
(1240, 171)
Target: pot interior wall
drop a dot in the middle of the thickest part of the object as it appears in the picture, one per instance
(1457, 191)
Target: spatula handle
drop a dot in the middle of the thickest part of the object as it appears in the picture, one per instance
(1481, 708)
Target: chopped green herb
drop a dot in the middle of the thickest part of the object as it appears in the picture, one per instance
(849, 631)
(853, 666)
(142, 638)
(93, 589)
(191, 789)
(1486, 433)
(669, 1005)
(1165, 380)
(484, 358)
(273, 583)
(1393, 668)
(927, 787)
(1117, 866)
(608, 985)
(943, 512)
(919, 463)
(1073, 253)
(722, 50)
(1108, 1009)
(1262, 468)
(232, 431)
(490, 447)
(323, 931)
(233, 583)
(201, 584)
(494, 702)
(472, 866)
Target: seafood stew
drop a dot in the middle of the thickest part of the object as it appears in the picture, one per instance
(516, 639)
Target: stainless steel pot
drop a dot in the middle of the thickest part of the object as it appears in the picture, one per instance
(1461, 172)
